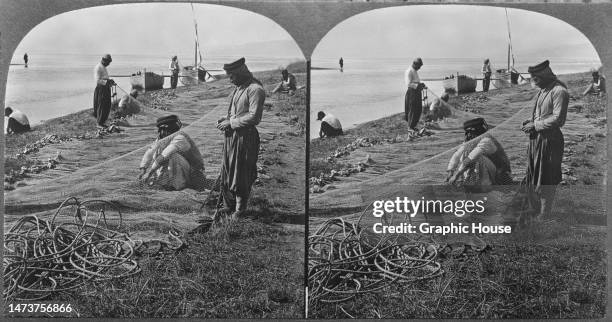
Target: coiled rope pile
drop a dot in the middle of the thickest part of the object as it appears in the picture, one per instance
(345, 261)
(81, 243)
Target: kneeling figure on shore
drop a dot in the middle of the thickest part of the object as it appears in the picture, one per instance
(129, 104)
(598, 84)
(437, 109)
(330, 125)
(173, 161)
(17, 121)
(481, 160)
(287, 84)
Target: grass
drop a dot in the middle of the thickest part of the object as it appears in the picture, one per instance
(547, 271)
(249, 269)
(384, 128)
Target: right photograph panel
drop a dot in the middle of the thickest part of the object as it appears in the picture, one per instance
(457, 167)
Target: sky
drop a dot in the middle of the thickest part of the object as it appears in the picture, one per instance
(431, 31)
(160, 28)
(456, 31)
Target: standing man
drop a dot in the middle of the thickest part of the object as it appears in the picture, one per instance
(174, 69)
(17, 121)
(545, 151)
(413, 103)
(486, 71)
(102, 93)
(25, 59)
(341, 62)
(241, 145)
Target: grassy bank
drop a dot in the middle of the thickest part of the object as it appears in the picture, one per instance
(547, 271)
(249, 269)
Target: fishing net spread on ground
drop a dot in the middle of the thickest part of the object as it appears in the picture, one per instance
(345, 261)
(82, 242)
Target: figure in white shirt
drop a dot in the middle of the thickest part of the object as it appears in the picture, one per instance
(486, 73)
(129, 104)
(174, 69)
(102, 100)
(330, 125)
(598, 85)
(17, 121)
(413, 102)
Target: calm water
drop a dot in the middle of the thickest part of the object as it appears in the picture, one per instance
(55, 85)
(371, 89)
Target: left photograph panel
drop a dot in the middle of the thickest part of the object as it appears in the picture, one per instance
(154, 165)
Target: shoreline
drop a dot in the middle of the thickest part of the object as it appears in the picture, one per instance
(384, 152)
(479, 86)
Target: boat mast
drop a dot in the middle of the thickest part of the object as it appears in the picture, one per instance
(195, 25)
(510, 54)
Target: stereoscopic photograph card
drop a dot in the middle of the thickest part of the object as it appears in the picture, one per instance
(307, 160)
(458, 160)
(154, 161)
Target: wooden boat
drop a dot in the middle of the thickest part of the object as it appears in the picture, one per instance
(147, 80)
(459, 84)
(191, 76)
(501, 79)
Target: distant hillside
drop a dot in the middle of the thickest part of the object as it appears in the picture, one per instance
(276, 48)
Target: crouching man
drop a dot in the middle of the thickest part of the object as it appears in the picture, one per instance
(173, 161)
(480, 161)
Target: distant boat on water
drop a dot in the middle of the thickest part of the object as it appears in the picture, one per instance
(147, 80)
(459, 84)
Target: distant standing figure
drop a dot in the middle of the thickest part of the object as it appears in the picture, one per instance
(173, 161)
(545, 151)
(174, 68)
(25, 59)
(598, 85)
(102, 94)
(241, 145)
(486, 71)
(341, 62)
(330, 125)
(413, 102)
(287, 84)
(129, 105)
(17, 121)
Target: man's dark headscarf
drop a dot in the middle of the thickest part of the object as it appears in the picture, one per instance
(474, 128)
(168, 125)
(543, 71)
(242, 72)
